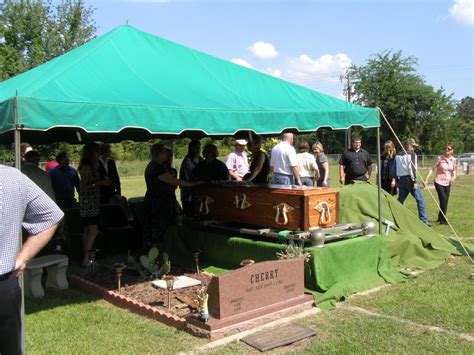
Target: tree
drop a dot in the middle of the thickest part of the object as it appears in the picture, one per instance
(33, 32)
(465, 117)
(414, 109)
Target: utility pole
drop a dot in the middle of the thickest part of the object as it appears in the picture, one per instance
(346, 80)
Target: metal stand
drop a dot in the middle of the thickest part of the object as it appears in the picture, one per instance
(118, 274)
(315, 236)
(319, 236)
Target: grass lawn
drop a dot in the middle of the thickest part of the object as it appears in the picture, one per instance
(74, 322)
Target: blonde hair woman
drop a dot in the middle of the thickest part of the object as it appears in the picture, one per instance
(386, 160)
(323, 165)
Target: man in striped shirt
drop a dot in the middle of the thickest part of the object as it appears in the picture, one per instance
(22, 205)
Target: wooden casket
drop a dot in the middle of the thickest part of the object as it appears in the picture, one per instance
(268, 206)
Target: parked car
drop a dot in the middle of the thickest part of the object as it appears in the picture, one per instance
(466, 158)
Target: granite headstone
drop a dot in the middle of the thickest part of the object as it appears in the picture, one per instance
(255, 286)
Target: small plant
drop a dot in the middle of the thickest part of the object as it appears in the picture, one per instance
(294, 251)
(150, 264)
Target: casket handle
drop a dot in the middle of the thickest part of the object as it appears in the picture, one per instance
(204, 205)
(284, 208)
(325, 210)
(241, 203)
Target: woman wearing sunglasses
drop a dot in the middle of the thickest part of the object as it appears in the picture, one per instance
(445, 168)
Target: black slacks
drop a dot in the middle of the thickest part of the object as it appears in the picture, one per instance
(10, 316)
(443, 196)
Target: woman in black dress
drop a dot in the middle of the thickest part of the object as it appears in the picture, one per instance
(386, 161)
(260, 165)
(160, 199)
(89, 198)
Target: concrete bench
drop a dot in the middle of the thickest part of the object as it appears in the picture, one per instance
(56, 267)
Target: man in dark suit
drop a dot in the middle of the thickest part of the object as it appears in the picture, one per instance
(108, 168)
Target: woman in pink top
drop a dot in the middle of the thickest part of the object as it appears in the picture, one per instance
(445, 167)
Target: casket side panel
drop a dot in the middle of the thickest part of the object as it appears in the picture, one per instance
(228, 206)
(317, 206)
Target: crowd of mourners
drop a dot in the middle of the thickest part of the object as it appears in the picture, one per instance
(96, 181)
(30, 201)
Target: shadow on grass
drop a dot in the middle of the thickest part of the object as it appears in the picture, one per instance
(469, 247)
(57, 298)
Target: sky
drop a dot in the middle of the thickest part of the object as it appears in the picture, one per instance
(313, 42)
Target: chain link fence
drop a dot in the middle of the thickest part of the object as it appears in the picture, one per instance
(137, 167)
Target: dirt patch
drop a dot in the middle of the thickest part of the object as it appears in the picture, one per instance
(183, 301)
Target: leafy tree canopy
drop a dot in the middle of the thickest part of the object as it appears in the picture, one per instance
(465, 117)
(414, 109)
(34, 31)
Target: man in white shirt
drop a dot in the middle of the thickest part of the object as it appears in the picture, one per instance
(237, 161)
(284, 163)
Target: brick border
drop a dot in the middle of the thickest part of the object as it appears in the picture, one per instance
(188, 324)
(129, 303)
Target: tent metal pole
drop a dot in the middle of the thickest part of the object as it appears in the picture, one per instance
(17, 134)
(348, 138)
(379, 182)
(17, 140)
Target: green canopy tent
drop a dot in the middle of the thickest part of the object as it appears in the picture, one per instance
(128, 84)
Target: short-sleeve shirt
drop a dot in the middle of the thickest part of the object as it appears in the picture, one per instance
(238, 161)
(64, 180)
(283, 158)
(320, 159)
(355, 163)
(155, 188)
(445, 167)
(39, 177)
(307, 164)
(22, 204)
